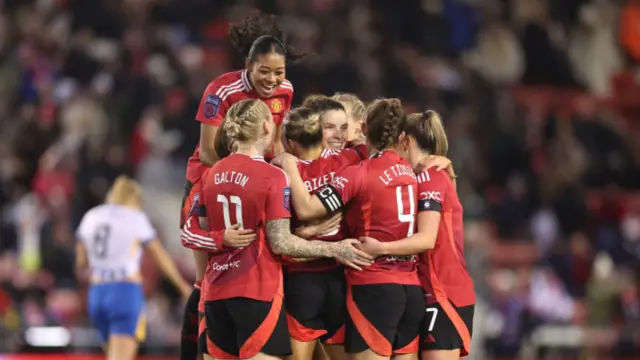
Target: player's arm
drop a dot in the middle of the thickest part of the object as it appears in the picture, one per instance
(82, 257)
(210, 115)
(82, 260)
(198, 237)
(424, 239)
(148, 237)
(329, 199)
(283, 242)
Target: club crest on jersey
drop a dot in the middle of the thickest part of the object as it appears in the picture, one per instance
(194, 205)
(211, 106)
(286, 200)
(276, 106)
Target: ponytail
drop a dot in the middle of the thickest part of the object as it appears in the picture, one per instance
(427, 128)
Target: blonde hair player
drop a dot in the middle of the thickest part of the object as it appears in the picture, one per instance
(111, 238)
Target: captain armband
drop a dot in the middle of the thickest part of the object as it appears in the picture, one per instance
(330, 198)
(429, 205)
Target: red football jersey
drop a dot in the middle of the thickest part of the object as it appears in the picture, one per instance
(221, 94)
(248, 191)
(443, 270)
(317, 174)
(380, 196)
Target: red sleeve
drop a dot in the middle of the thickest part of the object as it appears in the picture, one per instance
(432, 188)
(349, 156)
(279, 197)
(193, 237)
(212, 107)
(345, 186)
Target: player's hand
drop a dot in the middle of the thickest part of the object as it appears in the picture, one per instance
(238, 238)
(326, 226)
(372, 246)
(438, 162)
(281, 159)
(346, 253)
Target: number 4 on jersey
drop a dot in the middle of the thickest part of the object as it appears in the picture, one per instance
(409, 217)
(225, 209)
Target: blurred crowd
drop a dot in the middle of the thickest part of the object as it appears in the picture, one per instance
(539, 98)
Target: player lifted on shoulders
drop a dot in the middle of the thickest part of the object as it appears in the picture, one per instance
(263, 44)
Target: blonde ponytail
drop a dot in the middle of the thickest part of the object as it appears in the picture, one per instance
(427, 128)
(244, 119)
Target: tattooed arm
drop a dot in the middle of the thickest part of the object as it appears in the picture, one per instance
(284, 243)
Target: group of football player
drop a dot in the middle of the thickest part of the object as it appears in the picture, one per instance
(329, 230)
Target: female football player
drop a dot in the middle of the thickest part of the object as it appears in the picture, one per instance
(315, 290)
(355, 113)
(384, 301)
(263, 44)
(242, 294)
(111, 238)
(333, 118)
(446, 332)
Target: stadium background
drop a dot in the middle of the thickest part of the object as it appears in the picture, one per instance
(541, 101)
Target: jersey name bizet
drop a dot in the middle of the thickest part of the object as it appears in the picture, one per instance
(395, 171)
(230, 177)
(318, 182)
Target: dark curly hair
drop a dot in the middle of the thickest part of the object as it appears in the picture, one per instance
(259, 34)
(385, 122)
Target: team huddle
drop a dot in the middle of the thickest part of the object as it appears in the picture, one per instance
(330, 230)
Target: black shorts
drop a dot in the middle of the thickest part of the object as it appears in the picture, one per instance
(202, 335)
(385, 318)
(242, 328)
(315, 303)
(447, 327)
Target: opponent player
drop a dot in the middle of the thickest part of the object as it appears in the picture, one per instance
(243, 290)
(315, 290)
(261, 41)
(446, 333)
(110, 241)
(384, 301)
(355, 113)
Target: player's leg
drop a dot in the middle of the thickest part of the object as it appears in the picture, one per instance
(261, 328)
(127, 322)
(320, 352)
(406, 345)
(374, 313)
(189, 333)
(122, 347)
(446, 331)
(335, 316)
(97, 312)
(305, 295)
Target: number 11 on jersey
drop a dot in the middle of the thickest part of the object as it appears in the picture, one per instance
(235, 200)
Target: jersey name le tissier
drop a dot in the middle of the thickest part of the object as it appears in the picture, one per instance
(316, 174)
(221, 94)
(113, 236)
(248, 191)
(380, 198)
(442, 270)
